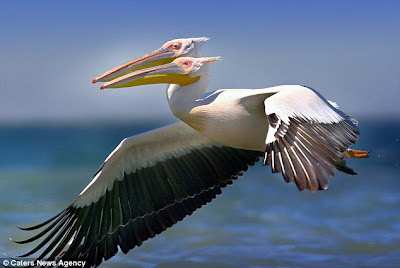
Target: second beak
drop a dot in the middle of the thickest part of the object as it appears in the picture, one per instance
(169, 73)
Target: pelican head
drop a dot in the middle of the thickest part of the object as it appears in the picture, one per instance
(187, 47)
(182, 71)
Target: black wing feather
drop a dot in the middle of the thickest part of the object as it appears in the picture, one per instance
(142, 205)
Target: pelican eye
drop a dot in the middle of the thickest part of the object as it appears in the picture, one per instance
(186, 63)
(175, 46)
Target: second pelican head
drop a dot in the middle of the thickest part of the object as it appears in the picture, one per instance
(182, 71)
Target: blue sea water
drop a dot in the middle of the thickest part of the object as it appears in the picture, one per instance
(259, 221)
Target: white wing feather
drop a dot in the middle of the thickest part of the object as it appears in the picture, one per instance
(139, 152)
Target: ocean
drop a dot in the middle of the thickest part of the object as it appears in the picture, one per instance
(259, 221)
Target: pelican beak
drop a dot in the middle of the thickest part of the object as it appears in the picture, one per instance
(158, 57)
(169, 73)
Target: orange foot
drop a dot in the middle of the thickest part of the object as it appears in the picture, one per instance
(351, 153)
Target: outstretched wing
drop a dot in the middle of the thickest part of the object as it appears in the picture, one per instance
(307, 136)
(147, 184)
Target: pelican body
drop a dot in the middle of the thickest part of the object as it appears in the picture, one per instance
(155, 179)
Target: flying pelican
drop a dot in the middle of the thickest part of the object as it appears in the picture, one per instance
(155, 179)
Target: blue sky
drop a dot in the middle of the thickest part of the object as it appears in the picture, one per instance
(50, 51)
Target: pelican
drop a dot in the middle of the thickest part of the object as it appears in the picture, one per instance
(155, 179)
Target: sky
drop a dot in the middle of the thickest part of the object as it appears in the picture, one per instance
(349, 51)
